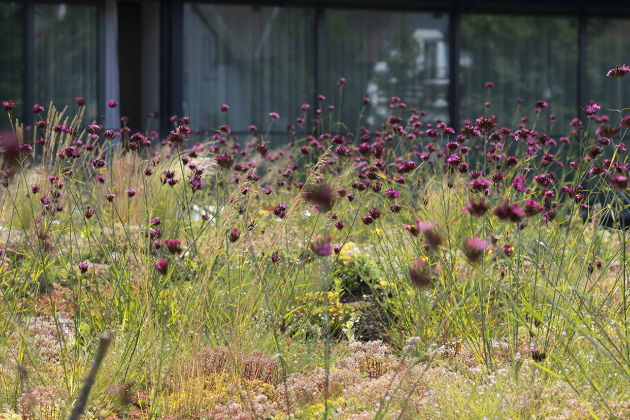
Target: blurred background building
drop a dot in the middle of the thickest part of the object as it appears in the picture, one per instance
(176, 57)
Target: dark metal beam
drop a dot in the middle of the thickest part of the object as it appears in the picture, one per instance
(319, 53)
(28, 59)
(531, 7)
(101, 58)
(453, 57)
(582, 79)
(171, 60)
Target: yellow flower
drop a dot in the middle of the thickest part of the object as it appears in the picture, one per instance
(348, 246)
(378, 232)
(262, 212)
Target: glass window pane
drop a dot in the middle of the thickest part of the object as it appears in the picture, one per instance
(66, 56)
(525, 57)
(608, 43)
(382, 54)
(255, 59)
(11, 58)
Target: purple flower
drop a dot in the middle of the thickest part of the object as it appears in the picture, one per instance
(591, 109)
(479, 184)
(130, 192)
(419, 275)
(89, 213)
(110, 197)
(519, 184)
(162, 267)
(619, 182)
(340, 225)
(234, 235)
(541, 104)
(173, 246)
(532, 208)
(509, 212)
(367, 219)
(111, 103)
(619, 71)
(224, 108)
(9, 106)
(262, 149)
(322, 195)
(224, 160)
(274, 115)
(38, 108)
(474, 248)
(80, 101)
(83, 267)
(430, 230)
(476, 208)
(392, 194)
(322, 247)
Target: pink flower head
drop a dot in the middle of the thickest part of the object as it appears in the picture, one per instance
(38, 108)
(321, 196)
(130, 192)
(341, 81)
(509, 212)
(591, 109)
(419, 273)
(392, 194)
(476, 208)
(474, 248)
(532, 208)
(162, 267)
(173, 246)
(541, 104)
(519, 184)
(489, 85)
(81, 101)
(234, 235)
(322, 247)
(9, 106)
(430, 230)
(83, 267)
(619, 182)
(274, 115)
(619, 71)
(111, 103)
(224, 108)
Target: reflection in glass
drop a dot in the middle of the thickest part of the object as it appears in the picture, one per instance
(11, 58)
(66, 57)
(525, 57)
(255, 59)
(383, 55)
(608, 43)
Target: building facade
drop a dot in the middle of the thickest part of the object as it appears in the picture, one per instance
(187, 58)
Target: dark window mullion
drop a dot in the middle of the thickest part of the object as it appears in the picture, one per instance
(453, 56)
(582, 77)
(28, 45)
(101, 58)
